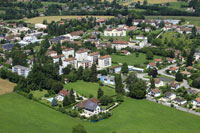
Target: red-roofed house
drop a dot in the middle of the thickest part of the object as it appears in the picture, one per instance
(171, 60)
(151, 65)
(196, 102)
(173, 69)
(158, 61)
(62, 94)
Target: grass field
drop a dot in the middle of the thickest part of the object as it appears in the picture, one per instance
(21, 115)
(6, 86)
(177, 5)
(149, 1)
(131, 59)
(192, 20)
(85, 88)
(57, 18)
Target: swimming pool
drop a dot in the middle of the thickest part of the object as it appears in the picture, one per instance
(50, 99)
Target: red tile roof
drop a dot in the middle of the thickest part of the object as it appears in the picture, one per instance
(63, 93)
(105, 57)
(59, 56)
(173, 68)
(152, 64)
(120, 42)
(68, 49)
(94, 53)
(76, 33)
(157, 60)
(155, 90)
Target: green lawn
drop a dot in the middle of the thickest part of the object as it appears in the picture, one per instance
(85, 88)
(177, 5)
(131, 59)
(39, 94)
(192, 20)
(21, 115)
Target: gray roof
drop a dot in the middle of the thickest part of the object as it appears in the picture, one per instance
(90, 106)
(168, 94)
(179, 99)
(8, 46)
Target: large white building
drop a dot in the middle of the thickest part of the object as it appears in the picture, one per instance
(115, 32)
(68, 52)
(104, 61)
(82, 54)
(119, 44)
(21, 70)
(93, 57)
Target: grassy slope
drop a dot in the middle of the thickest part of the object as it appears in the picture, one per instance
(131, 59)
(86, 88)
(56, 18)
(6, 86)
(19, 114)
(192, 20)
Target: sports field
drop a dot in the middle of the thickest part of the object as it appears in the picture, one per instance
(57, 18)
(191, 20)
(85, 88)
(6, 86)
(21, 115)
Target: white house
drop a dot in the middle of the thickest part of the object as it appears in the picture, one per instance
(155, 92)
(81, 54)
(21, 70)
(68, 51)
(119, 44)
(141, 37)
(171, 60)
(179, 101)
(197, 56)
(147, 29)
(62, 94)
(56, 58)
(104, 61)
(115, 32)
(170, 95)
(40, 26)
(93, 57)
(174, 85)
(70, 61)
(196, 102)
(158, 82)
(85, 63)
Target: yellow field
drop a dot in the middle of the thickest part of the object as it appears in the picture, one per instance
(57, 18)
(6, 86)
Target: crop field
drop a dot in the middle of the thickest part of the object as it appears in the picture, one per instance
(191, 20)
(21, 115)
(57, 18)
(6, 86)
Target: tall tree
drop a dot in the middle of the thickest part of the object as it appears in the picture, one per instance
(124, 68)
(100, 93)
(179, 77)
(118, 84)
(138, 90)
(72, 97)
(93, 76)
(66, 101)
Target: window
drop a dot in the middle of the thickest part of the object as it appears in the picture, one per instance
(106, 62)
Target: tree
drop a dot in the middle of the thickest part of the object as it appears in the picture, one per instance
(93, 74)
(105, 100)
(72, 97)
(189, 60)
(67, 69)
(22, 35)
(179, 77)
(154, 73)
(194, 31)
(152, 83)
(138, 90)
(149, 55)
(118, 84)
(124, 68)
(80, 73)
(66, 101)
(145, 2)
(79, 129)
(86, 74)
(54, 102)
(57, 86)
(73, 76)
(162, 24)
(100, 93)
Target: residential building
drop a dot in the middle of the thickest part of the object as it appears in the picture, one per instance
(68, 52)
(171, 60)
(174, 85)
(173, 70)
(62, 94)
(115, 32)
(115, 69)
(179, 101)
(56, 58)
(147, 29)
(7, 46)
(169, 95)
(197, 56)
(81, 54)
(70, 61)
(76, 35)
(40, 26)
(21, 70)
(151, 65)
(93, 57)
(155, 92)
(85, 63)
(158, 82)
(196, 102)
(51, 53)
(119, 44)
(141, 37)
(107, 79)
(125, 52)
(158, 61)
(104, 61)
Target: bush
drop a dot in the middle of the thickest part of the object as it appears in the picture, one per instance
(30, 95)
(61, 110)
(46, 95)
(172, 105)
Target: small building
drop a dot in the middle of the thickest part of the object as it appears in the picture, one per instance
(158, 82)
(40, 26)
(119, 44)
(158, 61)
(171, 60)
(81, 54)
(191, 91)
(179, 101)
(115, 69)
(7, 46)
(197, 56)
(196, 102)
(147, 29)
(173, 70)
(68, 52)
(125, 52)
(51, 53)
(170, 95)
(56, 58)
(115, 32)
(104, 61)
(141, 37)
(108, 79)
(155, 92)
(93, 57)
(174, 85)
(21, 70)
(151, 65)
(76, 35)
(62, 94)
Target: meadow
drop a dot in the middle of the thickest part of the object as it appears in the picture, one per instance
(131, 59)
(57, 18)
(86, 89)
(21, 115)
(6, 86)
(191, 20)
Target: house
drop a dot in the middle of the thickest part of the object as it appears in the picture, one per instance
(85, 63)
(155, 92)
(115, 69)
(169, 95)
(125, 52)
(104, 61)
(107, 79)
(188, 74)
(81, 54)
(191, 92)
(115, 32)
(196, 102)
(158, 82)
(68, 52)
(119, 44)
(197, 56)
(21, 70)
(147, 29)
(76, 35)
(7, 46)
(174, 85)
(171, 60)
(140, 37)
(93, 57)
(90, 107)
(179, 101)
(151, 65)
(59, 39)
(173, 69)
(51, 53)
(158, 61)
(62, 94)
(70, 61)
(189, 68)
(40, 26)
(56, 58)
(137, 21)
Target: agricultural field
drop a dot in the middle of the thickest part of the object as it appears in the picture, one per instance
(6, 86)
(132, 116)
(149, 1)
(131, 59)
(57, 18)
(85, 88)
(191, 20)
